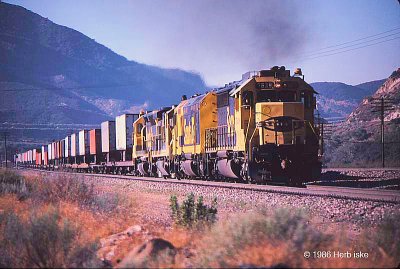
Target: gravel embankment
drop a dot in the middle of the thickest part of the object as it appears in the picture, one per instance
(153, 197)
(361, 178)
(326, 209)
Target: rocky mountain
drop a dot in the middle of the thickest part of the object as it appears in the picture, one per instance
(390, 92)
(357, 141)
(51, 73)
(371, 86)
(338, 99)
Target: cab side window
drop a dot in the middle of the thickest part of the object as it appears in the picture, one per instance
(139, 128)
(306, 99)
(247, 99)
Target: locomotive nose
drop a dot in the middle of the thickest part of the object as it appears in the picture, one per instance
(280, 122)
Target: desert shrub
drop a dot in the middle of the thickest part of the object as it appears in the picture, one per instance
(359, 134)
(11, 182)
(284, 229)
(339, 152)
(387, 236)
(190, 213)
(106, 202)
(74, 190)
(44, 240)
(64, 188)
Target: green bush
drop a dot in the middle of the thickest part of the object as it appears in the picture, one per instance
(106, 202)
(60, 188)
(11, 182)
(387, 236)
(45, 240)
(191, 213)
(361, 146)
(64, 188)
(75, 190)
(359, 134)
(227, 239)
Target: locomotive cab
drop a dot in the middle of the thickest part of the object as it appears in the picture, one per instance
(287, 146)
(276, 122)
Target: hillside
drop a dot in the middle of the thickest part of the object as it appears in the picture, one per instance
(356, 142)
(338, 99)
(71, 71)
(390, 91)
(371, 86)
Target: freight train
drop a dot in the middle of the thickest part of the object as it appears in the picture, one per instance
(259, 129)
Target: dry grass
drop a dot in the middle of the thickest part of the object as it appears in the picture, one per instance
(45, 239)
(95, 214)
(280, 239)
(261, 239)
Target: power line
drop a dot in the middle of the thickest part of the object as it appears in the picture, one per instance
(349, 46)
(312, 58)
(306, 56)
(66, 88)
(348, 42)
(381, 105)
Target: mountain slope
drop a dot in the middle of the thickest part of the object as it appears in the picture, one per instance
(338, 99)
(371, 86)
(390, 91)
(357, 141)
(36, 52)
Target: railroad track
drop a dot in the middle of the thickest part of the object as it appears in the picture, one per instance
(361, 169)
(377, 195)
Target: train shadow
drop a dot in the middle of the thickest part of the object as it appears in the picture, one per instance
(335, 178)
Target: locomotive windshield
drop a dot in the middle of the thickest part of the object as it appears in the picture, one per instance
(276, 96)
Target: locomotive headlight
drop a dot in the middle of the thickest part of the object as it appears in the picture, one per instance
(278, 85)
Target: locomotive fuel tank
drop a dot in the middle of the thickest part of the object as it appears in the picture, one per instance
(163, 168)
(144, 168)
(189, 168)
(229, 168)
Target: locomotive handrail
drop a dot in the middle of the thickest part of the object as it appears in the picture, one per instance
(263, 123)
(219, 138)
(312, 128)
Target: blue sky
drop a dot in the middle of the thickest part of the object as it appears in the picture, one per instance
(222, 39)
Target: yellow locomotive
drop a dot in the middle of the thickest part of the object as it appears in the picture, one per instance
(258, 129)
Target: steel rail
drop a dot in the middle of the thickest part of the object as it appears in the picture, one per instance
(364, 194)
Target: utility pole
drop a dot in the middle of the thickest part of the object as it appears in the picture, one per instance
(5, 147)
(381, 105)
(383, 131)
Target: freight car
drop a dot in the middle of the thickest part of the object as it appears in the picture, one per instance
(258, 129)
